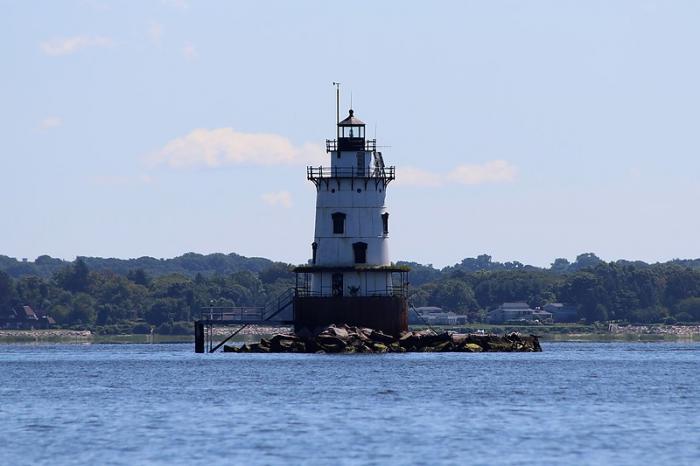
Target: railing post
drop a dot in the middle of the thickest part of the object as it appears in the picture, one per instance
(198, 336)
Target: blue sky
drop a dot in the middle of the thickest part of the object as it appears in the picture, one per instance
(526, 130)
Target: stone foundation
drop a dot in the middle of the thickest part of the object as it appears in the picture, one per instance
(388, 314)
(349, 339)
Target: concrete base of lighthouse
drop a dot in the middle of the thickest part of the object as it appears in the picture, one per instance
(386, 313)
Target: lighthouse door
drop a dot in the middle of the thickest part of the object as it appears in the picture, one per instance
(337, 284)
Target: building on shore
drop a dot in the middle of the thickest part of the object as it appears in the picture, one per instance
(562, 312)
(518, 312)
(433, 315)
(26, 318)
(350, 278)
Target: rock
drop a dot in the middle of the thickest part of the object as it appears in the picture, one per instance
(396, 348)
(282, 342)
(459, 338)
(440, 346)
(409, 340)
(299, 347)
(363, 349)
(245, 348)
(347, 339)
(381, 337)
(330, 344)
(429, 338)
(472, 348)
(339, 332)
(379, 347)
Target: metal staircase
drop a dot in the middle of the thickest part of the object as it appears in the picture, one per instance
(271, 315)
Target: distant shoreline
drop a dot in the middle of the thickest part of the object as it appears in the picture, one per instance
(613, 332)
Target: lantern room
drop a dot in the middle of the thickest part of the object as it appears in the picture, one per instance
(351, 134)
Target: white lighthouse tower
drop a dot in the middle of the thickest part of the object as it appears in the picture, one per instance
(349, 278)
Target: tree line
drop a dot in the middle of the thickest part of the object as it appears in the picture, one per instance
(87, 293)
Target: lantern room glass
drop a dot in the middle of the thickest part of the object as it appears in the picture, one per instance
(352, 132)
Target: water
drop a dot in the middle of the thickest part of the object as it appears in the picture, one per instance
(575, 403)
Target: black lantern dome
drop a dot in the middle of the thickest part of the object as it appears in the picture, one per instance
(351, 133)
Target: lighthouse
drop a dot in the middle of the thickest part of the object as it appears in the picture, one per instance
(349, 278)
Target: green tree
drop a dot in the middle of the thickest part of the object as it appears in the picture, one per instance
(165, 310)
(32, 291)
(560, 265)
(690, 307)
(587, 260)
(7, 292)
(139, 277)
(277, 271)
(454, 295)
(74, 278)
(82, 310)
(60, 313)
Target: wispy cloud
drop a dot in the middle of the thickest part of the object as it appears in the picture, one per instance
(495, 171)
(50, 122)
(189, 52)
(224, 146)
(67, 45)
(411, 176)
(279, 198)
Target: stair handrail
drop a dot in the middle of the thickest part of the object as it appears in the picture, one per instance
(282, 302)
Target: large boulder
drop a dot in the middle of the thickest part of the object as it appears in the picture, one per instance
(281, 342)
(381, 337)
(330, 344)
(339, 332)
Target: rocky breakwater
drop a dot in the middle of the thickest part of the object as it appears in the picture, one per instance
(347, 339)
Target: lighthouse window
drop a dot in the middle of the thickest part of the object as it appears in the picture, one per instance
(360, 250)
(385, 222)
(338, 223)
(314, 246)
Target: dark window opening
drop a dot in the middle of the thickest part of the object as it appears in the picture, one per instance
(338, 223)
(314, 247)
(360, 250)
(385, 222)
(337, 284)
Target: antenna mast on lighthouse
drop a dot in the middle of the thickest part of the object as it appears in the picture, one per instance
(337, 107)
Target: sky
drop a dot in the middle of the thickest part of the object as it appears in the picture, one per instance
(525, 130)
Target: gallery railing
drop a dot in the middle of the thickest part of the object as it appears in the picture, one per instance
(319, 173)
(328, 292)
(332, 145)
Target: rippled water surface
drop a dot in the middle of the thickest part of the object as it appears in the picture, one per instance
(575, 403)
